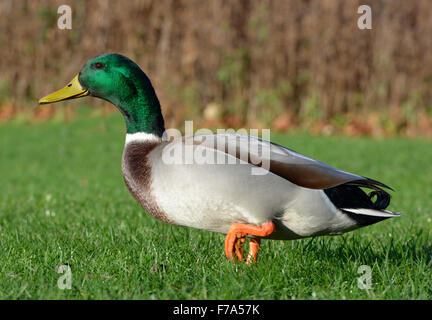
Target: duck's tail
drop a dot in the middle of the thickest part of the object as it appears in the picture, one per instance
(364, 208)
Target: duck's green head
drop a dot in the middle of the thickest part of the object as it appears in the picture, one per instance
(119, 80)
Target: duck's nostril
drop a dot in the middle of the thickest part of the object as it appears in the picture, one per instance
(70, 85)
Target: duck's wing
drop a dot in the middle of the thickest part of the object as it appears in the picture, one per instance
(288, 164)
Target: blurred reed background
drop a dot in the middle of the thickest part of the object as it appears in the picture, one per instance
(283, 64)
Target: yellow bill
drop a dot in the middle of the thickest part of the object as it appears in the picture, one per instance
(71, 91)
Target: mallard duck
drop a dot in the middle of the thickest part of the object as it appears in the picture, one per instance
(295, 197)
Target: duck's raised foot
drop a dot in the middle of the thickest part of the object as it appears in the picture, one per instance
(237, 236)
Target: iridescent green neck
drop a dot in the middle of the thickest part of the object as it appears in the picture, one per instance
(142, 111)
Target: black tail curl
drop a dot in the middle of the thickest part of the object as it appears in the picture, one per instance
(382, 199)
(351, 196)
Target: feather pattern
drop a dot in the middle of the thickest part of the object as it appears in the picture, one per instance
(303, 196)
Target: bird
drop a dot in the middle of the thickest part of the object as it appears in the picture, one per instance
(246, 187)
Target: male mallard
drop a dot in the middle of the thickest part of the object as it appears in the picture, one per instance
(298, 197)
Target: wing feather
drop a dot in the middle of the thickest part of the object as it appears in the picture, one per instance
(286, 163)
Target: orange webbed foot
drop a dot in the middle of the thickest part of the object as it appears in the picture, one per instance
(237, 236)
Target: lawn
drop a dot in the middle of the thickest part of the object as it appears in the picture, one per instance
(63, 201)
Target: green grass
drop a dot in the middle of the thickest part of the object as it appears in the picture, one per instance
(63, 200)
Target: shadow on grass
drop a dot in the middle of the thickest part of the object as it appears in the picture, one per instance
(415, 249)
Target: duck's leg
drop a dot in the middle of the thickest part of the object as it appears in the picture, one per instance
(238, 232)
(239, 247)
(254, 246)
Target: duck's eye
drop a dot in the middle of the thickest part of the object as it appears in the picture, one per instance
(99, 65)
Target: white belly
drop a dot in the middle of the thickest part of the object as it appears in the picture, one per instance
(212, 197)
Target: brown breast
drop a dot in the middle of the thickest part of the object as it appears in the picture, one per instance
(137, 175)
